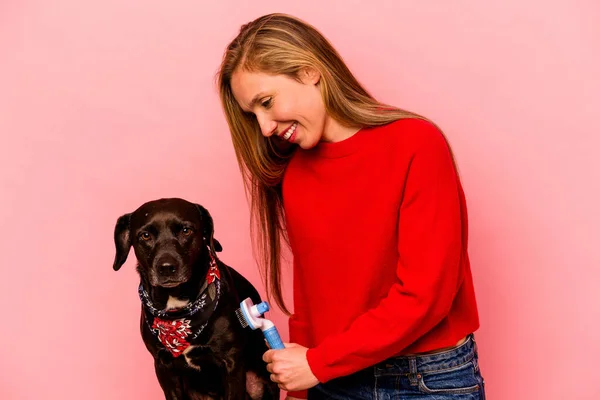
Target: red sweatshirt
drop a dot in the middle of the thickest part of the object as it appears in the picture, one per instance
(378, 229)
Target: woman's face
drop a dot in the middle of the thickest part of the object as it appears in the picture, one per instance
(293, 110)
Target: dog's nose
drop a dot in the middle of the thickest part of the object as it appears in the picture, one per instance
(167, 269)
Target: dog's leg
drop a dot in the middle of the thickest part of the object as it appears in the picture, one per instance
(235, 387)
(170, 384)
(255, 386)
(271, 391)
(268, 389)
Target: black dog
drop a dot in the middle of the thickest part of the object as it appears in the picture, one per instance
(189, 298)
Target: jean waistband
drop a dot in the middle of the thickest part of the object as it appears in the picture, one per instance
(446, 359)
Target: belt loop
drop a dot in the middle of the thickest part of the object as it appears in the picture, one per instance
(412, 374)
(474, 343)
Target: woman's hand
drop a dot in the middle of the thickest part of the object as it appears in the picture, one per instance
(289, 368)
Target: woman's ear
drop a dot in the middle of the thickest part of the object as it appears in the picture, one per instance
(310, 75)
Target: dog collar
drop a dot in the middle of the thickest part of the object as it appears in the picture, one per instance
(174, 328)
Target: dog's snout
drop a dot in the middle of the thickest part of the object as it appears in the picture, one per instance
(168, 266)
(167, 269)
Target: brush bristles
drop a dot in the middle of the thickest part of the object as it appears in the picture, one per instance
(240, 315)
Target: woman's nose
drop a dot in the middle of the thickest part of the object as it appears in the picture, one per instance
(267, 125)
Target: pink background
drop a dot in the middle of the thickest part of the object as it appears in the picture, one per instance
(107, 104)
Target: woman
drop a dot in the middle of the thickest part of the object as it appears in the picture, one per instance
(369, 200)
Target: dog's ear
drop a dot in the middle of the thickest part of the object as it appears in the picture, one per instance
(208, 229)
(216, 245)
(122, 241)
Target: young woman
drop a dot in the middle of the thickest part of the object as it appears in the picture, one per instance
(368, 197)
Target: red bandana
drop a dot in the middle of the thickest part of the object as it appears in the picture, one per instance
(173, 327)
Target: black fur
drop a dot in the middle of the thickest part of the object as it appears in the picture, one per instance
(171, 239)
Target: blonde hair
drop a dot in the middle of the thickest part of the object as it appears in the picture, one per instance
(284, 45)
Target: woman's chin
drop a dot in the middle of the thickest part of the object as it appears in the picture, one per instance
(307, 144)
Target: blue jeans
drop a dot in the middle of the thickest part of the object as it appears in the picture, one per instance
(449, 374)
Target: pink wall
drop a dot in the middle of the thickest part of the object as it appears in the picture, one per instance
(104, 105)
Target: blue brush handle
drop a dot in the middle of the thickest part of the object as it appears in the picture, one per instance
(273, 338)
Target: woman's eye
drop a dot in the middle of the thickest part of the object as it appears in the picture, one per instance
(267, 103)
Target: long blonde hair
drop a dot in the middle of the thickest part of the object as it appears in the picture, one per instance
(281, 44)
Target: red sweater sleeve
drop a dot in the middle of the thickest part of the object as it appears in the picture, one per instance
(427, 272)
(298, 327)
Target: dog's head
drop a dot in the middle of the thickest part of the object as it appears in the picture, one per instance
(169, 238)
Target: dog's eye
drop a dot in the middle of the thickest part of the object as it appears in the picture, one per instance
(186, 231)
(144, 236)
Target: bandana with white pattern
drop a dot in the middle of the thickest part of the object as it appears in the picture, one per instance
(173, 327)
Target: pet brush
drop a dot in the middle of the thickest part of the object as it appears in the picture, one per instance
(250, 315)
